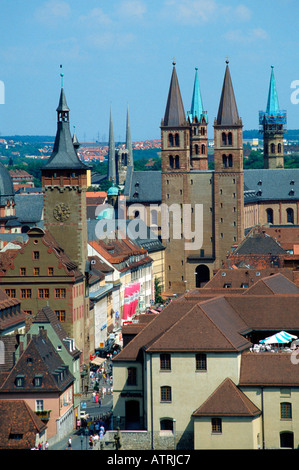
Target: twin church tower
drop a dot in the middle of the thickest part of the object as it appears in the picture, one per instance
(188, 182)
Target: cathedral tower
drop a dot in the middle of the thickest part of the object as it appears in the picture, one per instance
(228, 173)
(64, 182)
(198, 119)
(272, 125)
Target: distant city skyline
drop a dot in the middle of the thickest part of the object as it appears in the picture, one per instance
(118, 54)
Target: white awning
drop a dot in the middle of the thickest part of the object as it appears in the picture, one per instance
(98, 361)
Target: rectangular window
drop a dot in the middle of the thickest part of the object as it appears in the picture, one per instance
(165, 362)
(43, 293)
(26, 294)
(60, 315)
(216, 425)
(166, 393)
(11, 293)
(201, 361)
(39, 405)
(286, 410)
(22, 271)
(132, 376)
(60, 293)
(35, 255)
(50, 271)
(36, 271)
(20, 381)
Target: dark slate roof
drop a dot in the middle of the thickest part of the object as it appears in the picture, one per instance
(270, 185)
(259, 244)
(143, 236)
(29, 207)
(174, 113)
(143, 186)
(64, 155)
(227, 112)
(6, 186)
(46, 315)
(44, 361)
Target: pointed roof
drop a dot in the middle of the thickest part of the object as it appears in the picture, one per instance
(272, 103)
(174, 113)
(227, 112)
(227, 400)
(196, 104)
(111, 151)
(129, 141)
(64, 155)
(62, 105)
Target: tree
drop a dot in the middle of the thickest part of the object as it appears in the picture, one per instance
(158, 291)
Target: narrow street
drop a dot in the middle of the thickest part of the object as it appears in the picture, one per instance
(100, 414)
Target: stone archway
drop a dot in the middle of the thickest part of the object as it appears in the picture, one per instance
(202, 275)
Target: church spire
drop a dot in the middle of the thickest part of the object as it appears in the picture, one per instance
(227, 112)
(196, 104)
(129, 141)
(174, 113)
(64, 155)
(111, 151)
(272, 103)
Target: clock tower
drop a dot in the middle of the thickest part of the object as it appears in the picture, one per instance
(64, 182)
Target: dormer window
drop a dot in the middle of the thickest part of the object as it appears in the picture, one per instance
(20, 380)
(37, 381)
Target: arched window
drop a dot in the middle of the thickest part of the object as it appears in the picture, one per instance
(202, 275)
(177, 161)
(290, 215)
(203, 131)
(224, 139)
(203, 149)
(230, 138)
(230, 160)
(166, 424)
(279, 148)
(269, 216)
(171, 161)
(224, 161)
(196, 149)
(177, 140)
(272, 148)
(170, 140)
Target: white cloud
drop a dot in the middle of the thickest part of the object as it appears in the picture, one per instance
(52, 10)
(190, 11)
(132, 8)
(110, 40)
(243, 13)
(96, 15)
(241, 36)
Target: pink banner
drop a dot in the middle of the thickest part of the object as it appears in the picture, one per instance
(130, 301)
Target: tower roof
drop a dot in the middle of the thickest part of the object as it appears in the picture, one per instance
(227, 112)
(272, 103)
(174, 113)
(196, 104)
(64, 155)
(129, 140)
(111, 151)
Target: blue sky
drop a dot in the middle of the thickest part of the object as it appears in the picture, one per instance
(118, 53)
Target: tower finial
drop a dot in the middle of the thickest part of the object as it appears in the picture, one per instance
(173, 61)
(227, 61)
(61, 75)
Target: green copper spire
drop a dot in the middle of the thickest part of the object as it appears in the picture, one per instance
(196, 105)
(272, 103)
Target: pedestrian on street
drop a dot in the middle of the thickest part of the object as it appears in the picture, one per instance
(90, 443)
(69, 444)
(100, 402)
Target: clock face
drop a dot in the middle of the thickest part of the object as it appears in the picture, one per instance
(61, 212)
